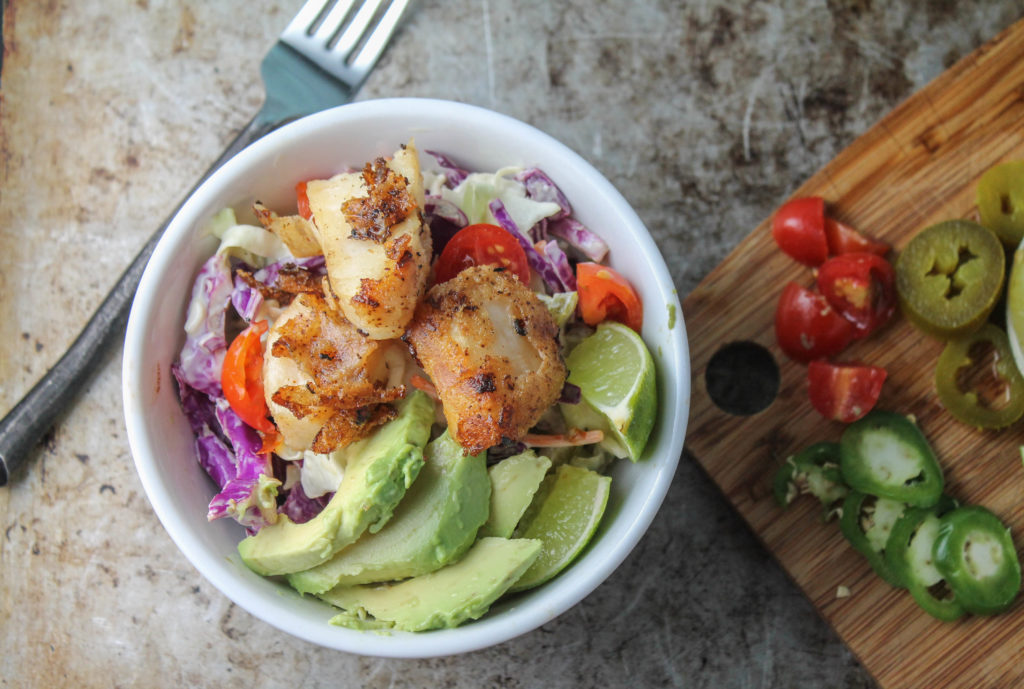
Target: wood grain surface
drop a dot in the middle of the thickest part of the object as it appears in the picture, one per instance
(917, 166)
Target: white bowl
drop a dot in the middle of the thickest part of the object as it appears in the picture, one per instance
(318, 146)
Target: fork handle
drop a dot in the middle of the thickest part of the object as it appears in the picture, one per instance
(23, 427)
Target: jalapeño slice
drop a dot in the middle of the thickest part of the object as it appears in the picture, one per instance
(949, 277)
(815, 471)
(885, 454)
(866, 523)
(975, 554)
(1000, 196)
(909, 554)
(977, 379)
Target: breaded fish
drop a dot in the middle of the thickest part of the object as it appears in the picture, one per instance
(298, 234)
(491, 349)
(326, 384)
(375, 242)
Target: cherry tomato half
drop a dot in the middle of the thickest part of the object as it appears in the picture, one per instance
(242, 378)
(606, 295)
(843, 239)
(807, 328)
(799, 229)
(802, 230)
(303, 200)
(481, 244)
(844, 392)
(861, 287)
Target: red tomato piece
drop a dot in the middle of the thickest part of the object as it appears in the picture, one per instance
(606, 295)
(303, 200)
(807, 328)
(843, 239)
(481, 244)
(242, 378)
(844, 392)
(861, 287)
(799, 229)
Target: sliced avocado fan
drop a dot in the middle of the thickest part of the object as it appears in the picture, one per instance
(380, 469)
(436, 522)
(514, 481)
(445, 598)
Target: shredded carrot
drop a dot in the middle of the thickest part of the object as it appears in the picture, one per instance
(573, 438)
(424, 385)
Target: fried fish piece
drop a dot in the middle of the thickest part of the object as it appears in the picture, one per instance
(375, 242)
(298, 234)
(290, 281)
(491, 349)
(327, 384)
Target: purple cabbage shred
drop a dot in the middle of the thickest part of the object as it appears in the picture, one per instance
(445, 219)
(250, 495)
(541, 264)
(212, 451)
(539, 232)
(454, 175)
(539, 187)
(300, 508)
(557, 258)
(202, 356)
(248, 300)
(571, 394)
(580, 238)
(504, 450)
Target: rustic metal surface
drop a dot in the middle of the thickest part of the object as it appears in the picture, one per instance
(704, 114)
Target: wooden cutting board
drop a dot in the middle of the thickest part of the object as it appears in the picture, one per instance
(917, 166)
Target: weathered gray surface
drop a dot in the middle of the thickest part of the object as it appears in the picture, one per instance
(705, 115)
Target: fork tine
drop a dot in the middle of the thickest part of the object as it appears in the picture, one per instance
(343, 41)
(349, 39)
(331, 23)
(378, 39)
(306, 17)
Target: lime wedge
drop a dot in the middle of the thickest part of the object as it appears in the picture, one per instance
(564, 516)
(615, 373)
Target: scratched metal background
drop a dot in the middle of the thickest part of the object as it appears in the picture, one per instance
(705, 114)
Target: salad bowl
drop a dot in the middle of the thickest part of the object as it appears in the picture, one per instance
(267, 171)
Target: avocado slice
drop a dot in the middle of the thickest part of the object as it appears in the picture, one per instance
(380, 469)
(445, 598)
(514, 481)
(436, 522)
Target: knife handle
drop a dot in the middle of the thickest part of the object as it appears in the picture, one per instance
(23, 427)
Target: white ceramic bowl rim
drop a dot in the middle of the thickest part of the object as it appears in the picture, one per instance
(305, 618)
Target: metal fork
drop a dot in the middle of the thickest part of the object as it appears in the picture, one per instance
(319, 61)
